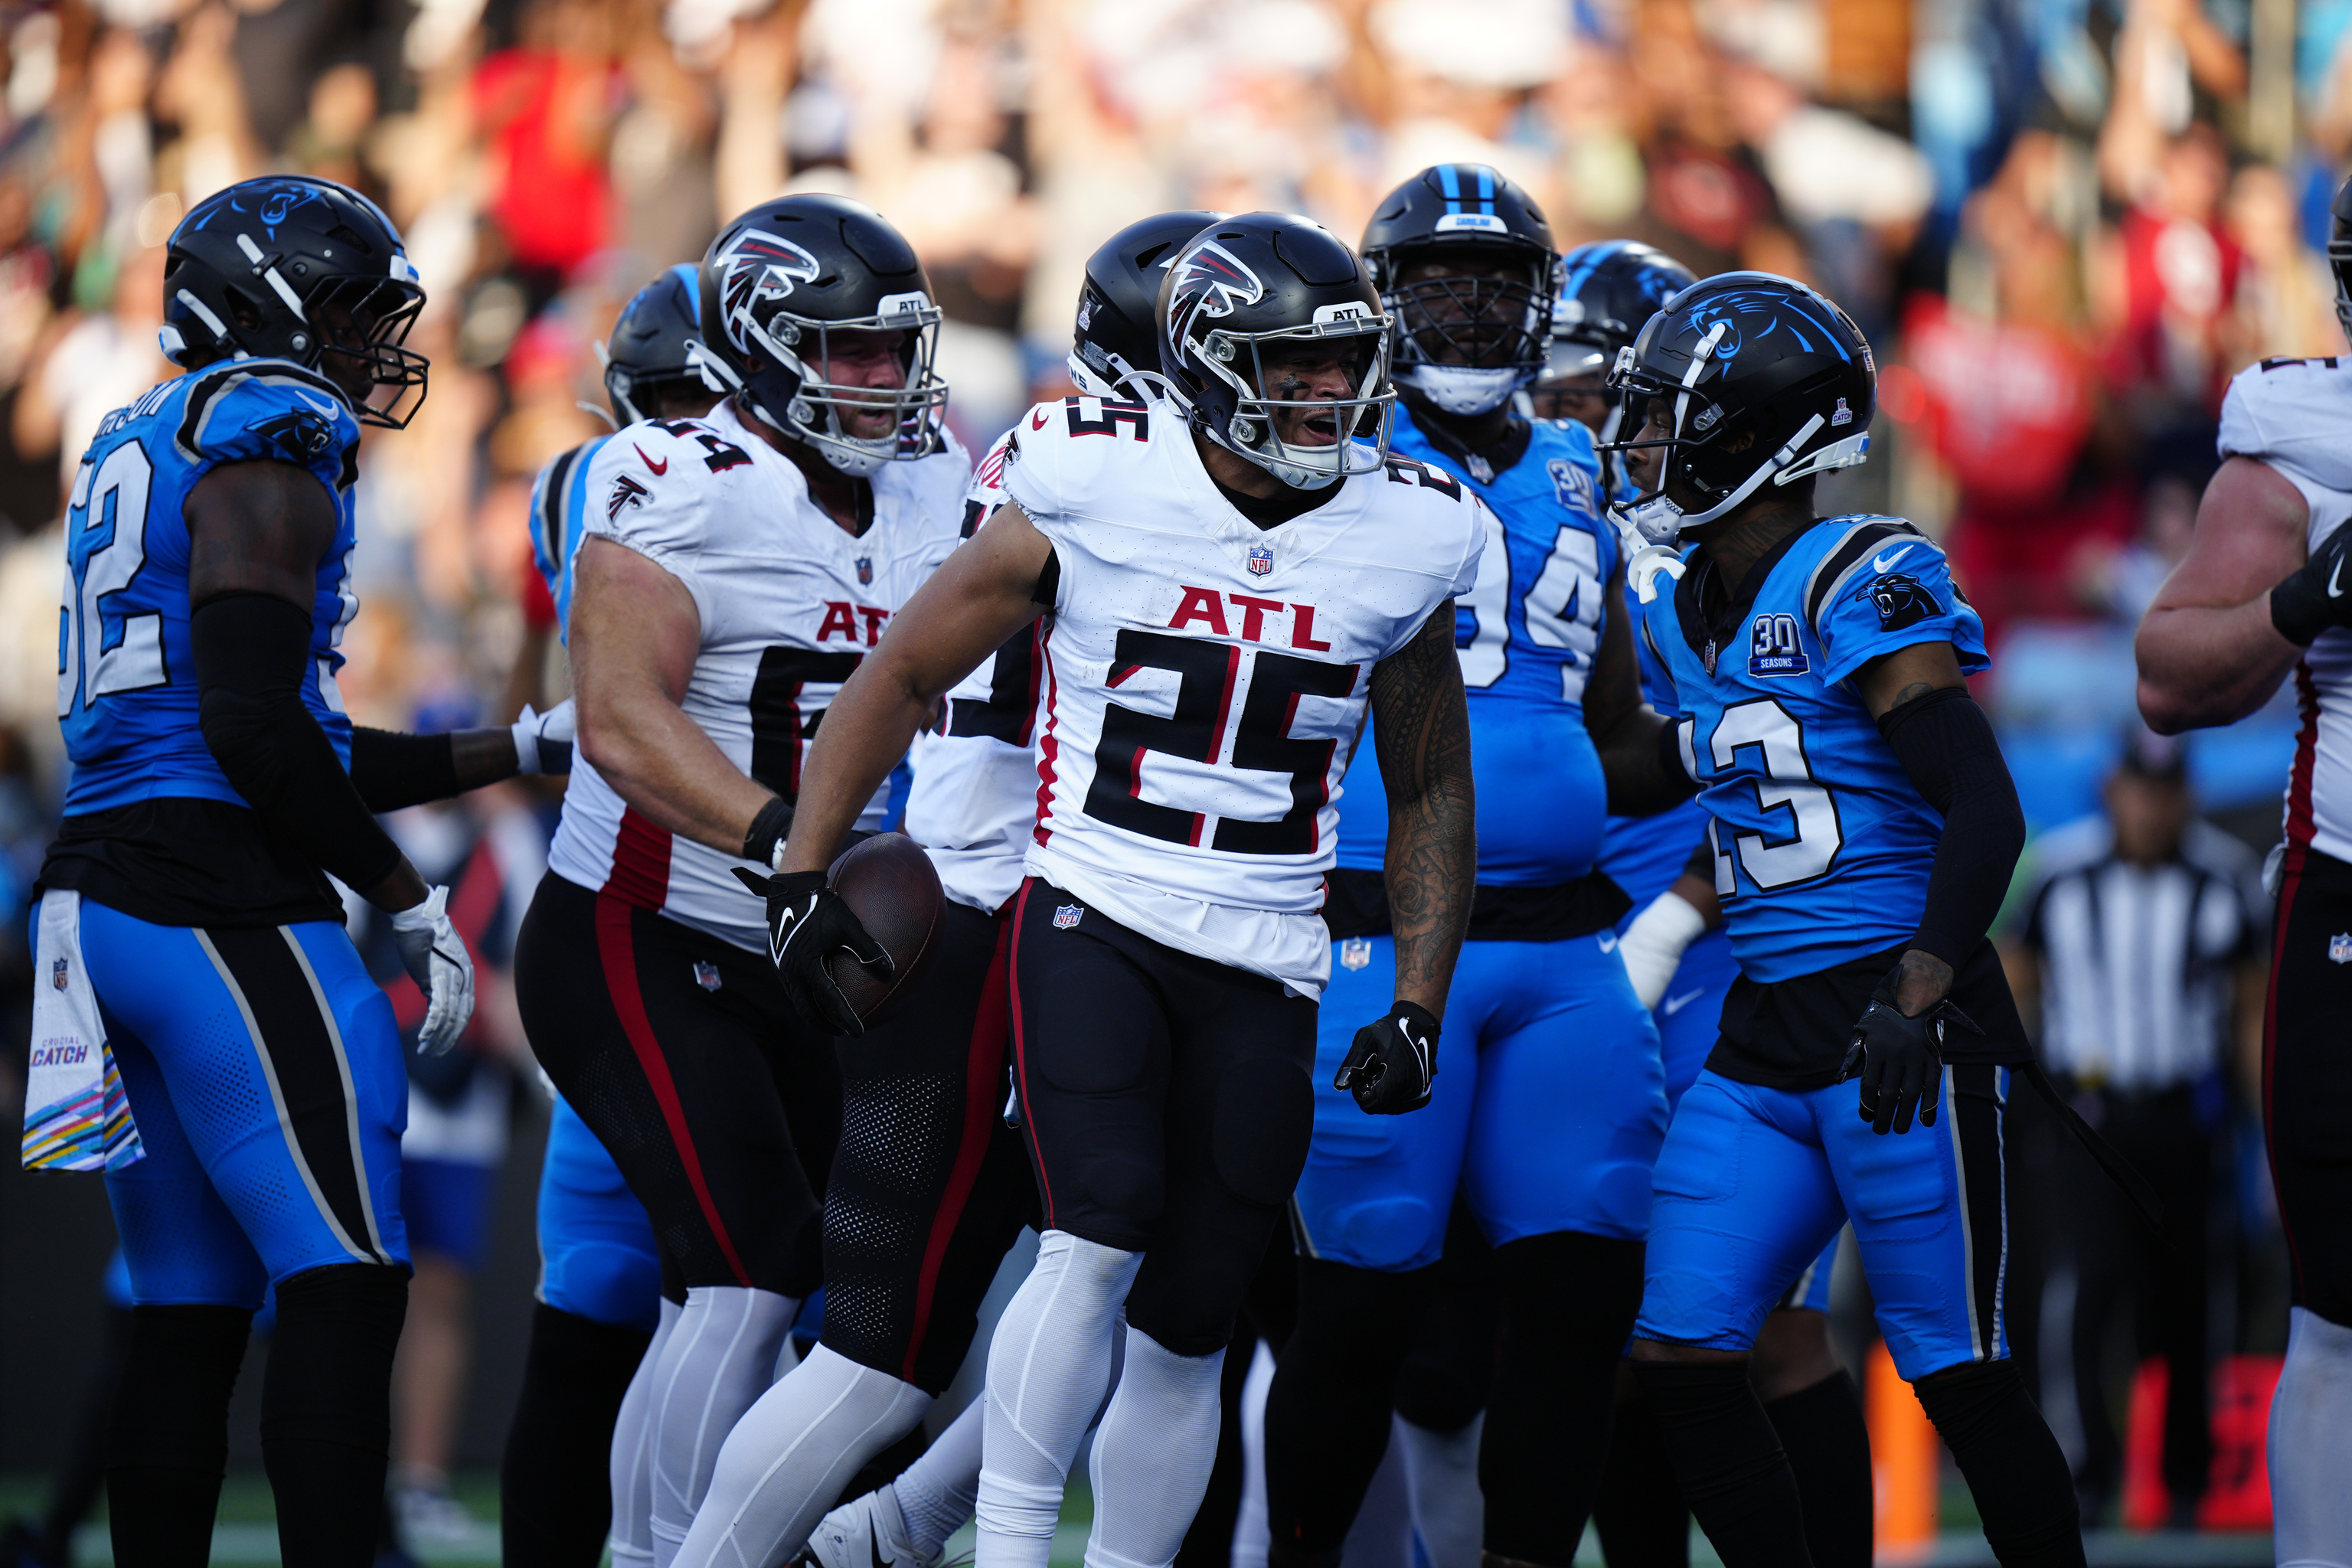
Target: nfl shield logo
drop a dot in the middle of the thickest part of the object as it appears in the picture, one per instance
(2339, 950)
(706, 975)
(1068, 916)
(1261, 560)
(57, 975)
(1843, 416)
(1356, 952)
(866, 570)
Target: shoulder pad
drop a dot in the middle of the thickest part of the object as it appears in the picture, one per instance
(267, 411)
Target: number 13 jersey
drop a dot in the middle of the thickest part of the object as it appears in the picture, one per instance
(1821, 843)
(789, 604)
(1206, 681)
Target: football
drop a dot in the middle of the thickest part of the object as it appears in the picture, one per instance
(889, 884)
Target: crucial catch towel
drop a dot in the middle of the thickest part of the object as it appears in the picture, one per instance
(77, 1117)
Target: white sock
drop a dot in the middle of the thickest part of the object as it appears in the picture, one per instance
(2311, 1506)
(632, 1540)
(717, 1363)
(1442, 1469)
(1153, 1455)
(935, 1493)
(1252, 1535)
(1382, 1536)
(790, 1456)
(1047, 1368)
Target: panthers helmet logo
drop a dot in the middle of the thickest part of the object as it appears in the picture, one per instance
(759, 269)
(1901, 600)
(1210, 281)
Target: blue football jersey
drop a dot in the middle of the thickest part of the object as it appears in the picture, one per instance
(126, 674)
(1527, 635)
(558, 498)
(1822, 844)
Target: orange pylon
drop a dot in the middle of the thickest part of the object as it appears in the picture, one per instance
(1904, 1454)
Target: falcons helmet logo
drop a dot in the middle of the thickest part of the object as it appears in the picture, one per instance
(759, 269)
(1210, 281)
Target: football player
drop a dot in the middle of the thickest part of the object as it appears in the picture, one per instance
(194, 941)
(734, 570)
(1679, 959)
(600, 1277)
(930, 1186)
(2261, 594)
(1549, 1114)
(1235, 579)
(1862, 831)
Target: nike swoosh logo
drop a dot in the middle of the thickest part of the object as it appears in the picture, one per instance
(1881, 563)
(874, 1547)
(1607, 940)
(1673, 1005)
(2333, 591)
(328, 409)
(659, 468)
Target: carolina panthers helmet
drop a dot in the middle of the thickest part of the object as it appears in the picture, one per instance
(779, 282)
(1261, 287)
(1607, 290)
(650, 356)
(2339, 256)
(1465, 344)
(1114, 349)
(1755, 377)
(289, 267)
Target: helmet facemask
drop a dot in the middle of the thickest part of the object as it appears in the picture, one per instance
(362, 323)
(1468, 340)
(1309, 442)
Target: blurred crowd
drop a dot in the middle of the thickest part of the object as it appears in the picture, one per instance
(2064, 224)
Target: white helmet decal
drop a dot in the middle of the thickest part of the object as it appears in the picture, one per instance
(756, 267)
(1210, 280)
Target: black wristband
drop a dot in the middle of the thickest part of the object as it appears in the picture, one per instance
(768, 830)
(2294, 613)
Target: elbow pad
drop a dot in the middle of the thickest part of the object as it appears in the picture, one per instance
(1947, 751)
(252, 655)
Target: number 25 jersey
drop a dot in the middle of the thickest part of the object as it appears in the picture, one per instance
(1206, 681)
(1821, 844)
(788, 603)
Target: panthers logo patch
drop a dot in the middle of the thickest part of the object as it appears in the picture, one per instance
(301, 433)
(1900, 599)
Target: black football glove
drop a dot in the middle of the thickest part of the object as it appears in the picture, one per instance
(1900, 1059)
(2315, 595)
(807, 923)
(1390, 1064)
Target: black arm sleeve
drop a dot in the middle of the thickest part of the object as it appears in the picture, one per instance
(1947, 747)
(253, 653)
(392, 769)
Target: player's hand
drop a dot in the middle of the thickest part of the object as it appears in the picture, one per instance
(543, 742)
(2315, 595)
(1392, 1063)
(1900, 1060)
(1653, 946)
(434, 956)
(807, 923)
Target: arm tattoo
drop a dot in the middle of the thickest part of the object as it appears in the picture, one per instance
(1917, 690)
(1421, 724)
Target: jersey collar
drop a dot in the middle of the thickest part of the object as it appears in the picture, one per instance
(1710, 615)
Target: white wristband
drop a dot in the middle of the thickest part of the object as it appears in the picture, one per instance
(1653, 945)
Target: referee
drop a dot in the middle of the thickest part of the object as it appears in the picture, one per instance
(2143, 938)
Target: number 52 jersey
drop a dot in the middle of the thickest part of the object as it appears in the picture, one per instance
(1821, 844)
(1206, 681)
(789, 604)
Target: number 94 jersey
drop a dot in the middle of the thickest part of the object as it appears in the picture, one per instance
(1206, 681)
(1821, 844)
(126, 673)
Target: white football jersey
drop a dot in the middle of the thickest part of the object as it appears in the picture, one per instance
(1206, 679)
(2295, 415)
(975, 792)
(789, 604)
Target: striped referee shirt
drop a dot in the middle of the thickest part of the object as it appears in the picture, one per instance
(2136, 961)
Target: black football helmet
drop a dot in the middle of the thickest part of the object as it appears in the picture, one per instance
(289, 267)
(779, 282)
(2339, 256)
(1759, 378)
(1115, 349)
(650, 357)
(1259, 287)
(1464, 343)
(1607, 290)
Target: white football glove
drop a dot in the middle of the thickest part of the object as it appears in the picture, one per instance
(543, 742)
(1653, 945)
(434, 956)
